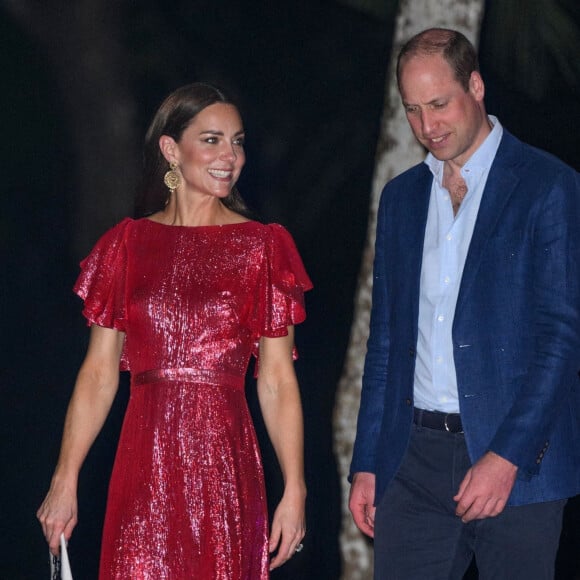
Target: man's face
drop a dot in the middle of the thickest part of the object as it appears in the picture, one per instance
(447, 120)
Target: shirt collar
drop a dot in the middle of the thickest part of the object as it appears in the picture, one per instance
(480, 161)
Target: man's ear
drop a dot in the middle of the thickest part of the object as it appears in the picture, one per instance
(168, 147)
(476, 86)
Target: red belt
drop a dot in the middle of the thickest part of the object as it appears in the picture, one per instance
(205, 376)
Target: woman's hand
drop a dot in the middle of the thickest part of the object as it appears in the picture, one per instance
(58, 514)
(288, 527)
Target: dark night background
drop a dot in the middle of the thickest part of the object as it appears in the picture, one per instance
(310, 77)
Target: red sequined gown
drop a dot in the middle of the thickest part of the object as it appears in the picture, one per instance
(186, 497)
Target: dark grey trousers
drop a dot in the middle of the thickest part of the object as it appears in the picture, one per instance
(419, 537)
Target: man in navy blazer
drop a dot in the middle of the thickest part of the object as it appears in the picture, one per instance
(468, 436)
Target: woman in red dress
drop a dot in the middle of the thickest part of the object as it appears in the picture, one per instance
(183, 297)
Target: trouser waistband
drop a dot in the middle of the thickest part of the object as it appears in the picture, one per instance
(450, 422)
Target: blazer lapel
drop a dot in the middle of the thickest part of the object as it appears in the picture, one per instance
(501, 182)
(419, 196)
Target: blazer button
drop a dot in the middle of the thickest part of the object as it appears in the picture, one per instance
(408, 402)
(412, 352)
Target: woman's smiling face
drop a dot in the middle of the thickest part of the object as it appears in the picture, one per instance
(210, 153)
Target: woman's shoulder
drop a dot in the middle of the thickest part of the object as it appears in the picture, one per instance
(112, 240)
(254, 227)
(119, 228)
(274, 235)
(271, 230)
(129, 226)
(280, 235)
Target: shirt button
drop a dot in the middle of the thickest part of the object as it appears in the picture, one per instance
(447, 279)
(448, 237)
(441, 318)
(439, 359)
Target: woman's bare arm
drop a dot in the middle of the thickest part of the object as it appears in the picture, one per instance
(279, 398)
(95, 389)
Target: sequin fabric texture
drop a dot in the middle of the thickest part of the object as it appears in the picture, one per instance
(186, 497)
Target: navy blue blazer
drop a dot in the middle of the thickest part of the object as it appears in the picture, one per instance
(516, 330)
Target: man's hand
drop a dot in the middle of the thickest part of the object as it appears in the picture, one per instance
(362, 496)
(486, 487)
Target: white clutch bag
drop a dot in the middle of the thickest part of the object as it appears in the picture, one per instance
(60, 565)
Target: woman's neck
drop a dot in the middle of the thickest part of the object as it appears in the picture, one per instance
(204, 212)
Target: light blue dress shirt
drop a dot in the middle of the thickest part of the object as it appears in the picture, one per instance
(447, 239)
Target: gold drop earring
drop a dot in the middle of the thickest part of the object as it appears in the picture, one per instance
(172, 178)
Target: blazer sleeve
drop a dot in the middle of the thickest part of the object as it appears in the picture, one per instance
(374, 381)
(523, 437)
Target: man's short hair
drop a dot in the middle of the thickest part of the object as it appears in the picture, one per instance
(453, 46)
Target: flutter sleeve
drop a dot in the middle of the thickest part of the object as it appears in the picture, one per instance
(101, 283)
(280, 299)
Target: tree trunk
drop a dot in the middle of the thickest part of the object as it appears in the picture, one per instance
(397, 150)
